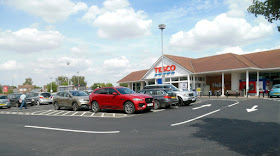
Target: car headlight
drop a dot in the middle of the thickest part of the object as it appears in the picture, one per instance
(137, 99)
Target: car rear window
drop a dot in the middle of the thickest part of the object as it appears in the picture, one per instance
(78, 93)
(46, 94)
(3, 97)
(276, 86)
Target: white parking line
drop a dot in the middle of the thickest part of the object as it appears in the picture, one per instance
(57, 113)
(51, 113)
(65, 113)
(71, 130)
(180, 123)
(114, 115)
(74, 113)
(43, 112)
(233, 104)
(83, 113)
(102, 115)
(92, 114)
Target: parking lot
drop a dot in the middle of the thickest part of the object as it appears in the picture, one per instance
(48, 110)
(215, 126)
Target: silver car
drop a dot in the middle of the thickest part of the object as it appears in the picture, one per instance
(42, 98)
(4, 101)
(71, 99)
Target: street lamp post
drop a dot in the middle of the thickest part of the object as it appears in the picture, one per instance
(161, 27)
(51, 85)
(78, 81)
(68, 63)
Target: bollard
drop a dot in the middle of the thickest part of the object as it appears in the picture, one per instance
(259, 93)
(217, 93)
(227, 93)
(236, 94)
(247, 93)
(209, 93)
(268, 93)
(263, 93)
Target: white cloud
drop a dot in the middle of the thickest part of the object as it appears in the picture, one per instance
(240, 51)
(29, 40)
(80, 51)
(116, 20)
(223, 31)
(237, 8)
(49, 10)
(116, 62)
(9, 65)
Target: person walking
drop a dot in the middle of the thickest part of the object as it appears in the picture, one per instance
(22, 98)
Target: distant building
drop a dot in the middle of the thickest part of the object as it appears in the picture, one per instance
(25, 88)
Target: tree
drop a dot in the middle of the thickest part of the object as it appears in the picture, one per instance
(52, 85)
(97, 85)
(124, 84)
(270, 9)
(62, 80)
(28, 81)
(109, 85)
(78, 80)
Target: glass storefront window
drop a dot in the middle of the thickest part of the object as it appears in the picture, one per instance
(183, 78)
(175, 79)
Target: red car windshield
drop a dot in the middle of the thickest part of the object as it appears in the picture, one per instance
(125, 91)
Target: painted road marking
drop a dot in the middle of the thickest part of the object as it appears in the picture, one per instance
(58, 113)
(71, 130)
(180, 123)
(233, 104)
(92, 114)
(83, 114)
(74, 113)
(102, 115)
(65, 113)
(114, 115)
(51, 112)
(207, 105)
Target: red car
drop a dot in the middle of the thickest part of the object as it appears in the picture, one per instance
(119, 98)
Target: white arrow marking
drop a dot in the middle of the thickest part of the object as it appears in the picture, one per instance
(252, 109)
(208, 105)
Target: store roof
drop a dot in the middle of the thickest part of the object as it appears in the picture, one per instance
(228, 61)
(134, 76)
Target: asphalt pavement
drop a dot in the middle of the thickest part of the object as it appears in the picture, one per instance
(224, 126)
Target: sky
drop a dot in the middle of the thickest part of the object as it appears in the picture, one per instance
(104, 40)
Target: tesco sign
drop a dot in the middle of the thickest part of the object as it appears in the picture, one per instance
(165, 68)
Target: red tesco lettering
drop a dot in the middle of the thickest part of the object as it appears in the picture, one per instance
(165, 68)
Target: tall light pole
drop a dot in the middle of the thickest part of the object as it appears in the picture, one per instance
(51, 85)
(161, 27)
(68, 63)
(78, 81)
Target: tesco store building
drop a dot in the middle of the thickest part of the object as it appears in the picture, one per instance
(224, 73)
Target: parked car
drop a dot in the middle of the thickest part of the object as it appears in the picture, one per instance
(119, 98)
(14, 99)
(4, 101)
(29, 99)
(52, 95)
(42, 98)
(162, 97)
(71, 99)
(88, 91)
(275, 91)
(184, 97)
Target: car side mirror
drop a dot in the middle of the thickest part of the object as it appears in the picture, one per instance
(115, 93)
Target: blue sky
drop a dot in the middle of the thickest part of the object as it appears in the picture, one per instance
(105, 40)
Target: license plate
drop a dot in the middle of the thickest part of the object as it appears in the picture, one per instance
(28, 102)
(150, 104)
(173, 97)
(277, 93)
(2, 104)
(47, 98)
(193, 99)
